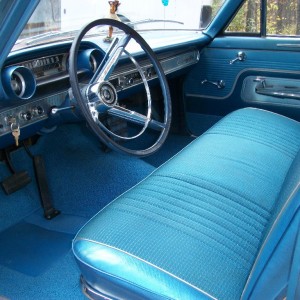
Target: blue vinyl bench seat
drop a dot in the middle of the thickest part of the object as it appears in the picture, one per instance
(217, 221)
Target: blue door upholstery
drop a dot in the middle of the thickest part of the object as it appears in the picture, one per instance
(219, 220)
(214, 65)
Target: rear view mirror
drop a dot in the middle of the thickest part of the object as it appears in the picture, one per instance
(205, 16)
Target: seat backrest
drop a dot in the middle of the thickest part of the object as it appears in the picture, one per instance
(271, 268)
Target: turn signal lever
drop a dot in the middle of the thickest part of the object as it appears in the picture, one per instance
(56, 110)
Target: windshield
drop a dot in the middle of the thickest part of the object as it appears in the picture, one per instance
(60, 19)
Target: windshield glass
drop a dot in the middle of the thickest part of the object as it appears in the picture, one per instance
(60, 19)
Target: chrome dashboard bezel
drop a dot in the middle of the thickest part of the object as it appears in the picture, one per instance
(171, 62)
(126, 76)
(27, 81)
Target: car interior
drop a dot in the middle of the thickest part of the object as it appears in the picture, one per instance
(146, 162)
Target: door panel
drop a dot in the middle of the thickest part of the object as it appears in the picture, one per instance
(219, 84)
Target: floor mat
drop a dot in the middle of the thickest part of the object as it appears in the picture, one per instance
(62, 223)
(60, 281)
(31, 249)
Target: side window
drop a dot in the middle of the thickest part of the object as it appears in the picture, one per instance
(247, 20)
(282, 18)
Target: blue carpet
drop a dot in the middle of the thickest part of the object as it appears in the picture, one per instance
(61, 223)
(173, 145)
(31, 249)
(82, 180)
(14, 207)
(59, 282)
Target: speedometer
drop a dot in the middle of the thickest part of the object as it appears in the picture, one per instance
(45, 66)
(17, 84)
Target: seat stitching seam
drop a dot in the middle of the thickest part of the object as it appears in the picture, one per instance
(207, 192)
(202, 223)
(174, 176)
(230, 221)
(179, 230)
(282, 150)
(262, 123)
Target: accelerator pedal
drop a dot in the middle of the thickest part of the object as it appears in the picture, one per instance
(40, 172)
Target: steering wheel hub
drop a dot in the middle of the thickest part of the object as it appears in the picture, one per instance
(107, 94)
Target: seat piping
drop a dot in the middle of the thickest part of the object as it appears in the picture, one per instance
(144, 261)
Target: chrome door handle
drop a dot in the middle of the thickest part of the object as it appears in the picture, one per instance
(261, 80)
(220, 84)
(241, 56)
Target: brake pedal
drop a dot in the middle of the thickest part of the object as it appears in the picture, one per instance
(15, 182)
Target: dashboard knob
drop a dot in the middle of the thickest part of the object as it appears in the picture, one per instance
(37, 111)
(149, 73)
(130, 81)
(26, 115)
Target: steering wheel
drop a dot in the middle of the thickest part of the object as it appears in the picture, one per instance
(99, 96)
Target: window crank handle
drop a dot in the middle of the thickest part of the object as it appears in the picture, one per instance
(241, 56)
(220, 84)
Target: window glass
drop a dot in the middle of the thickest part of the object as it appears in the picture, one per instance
(247, 20)
(58, 19)
(283, 17)
(155, 14)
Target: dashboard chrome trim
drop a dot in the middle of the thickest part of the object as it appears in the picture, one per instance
(45, 63)
(122, 78)
(127, 77)
(39, 110)
(18, 82)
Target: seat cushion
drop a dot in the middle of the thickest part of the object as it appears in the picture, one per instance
(193, 228)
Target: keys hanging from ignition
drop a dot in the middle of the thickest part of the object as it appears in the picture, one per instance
(15, 130)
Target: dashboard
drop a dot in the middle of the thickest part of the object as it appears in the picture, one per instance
(35, 82)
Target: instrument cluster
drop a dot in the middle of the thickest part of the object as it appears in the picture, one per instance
(21, 80)
(33, 88)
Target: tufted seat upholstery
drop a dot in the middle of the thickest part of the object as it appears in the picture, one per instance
(219, 220)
